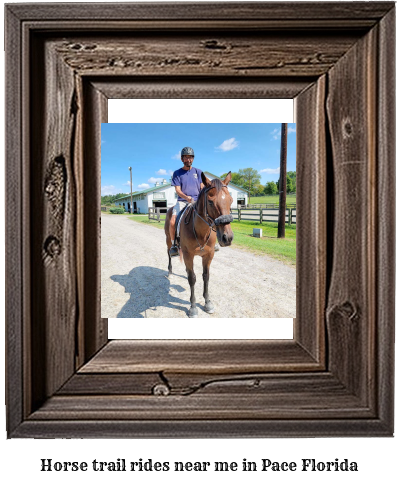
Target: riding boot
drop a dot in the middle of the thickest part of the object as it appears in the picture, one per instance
(174, 250)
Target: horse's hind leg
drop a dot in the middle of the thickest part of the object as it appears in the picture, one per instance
(168, 243)
(189, 261)
(170, 263)
(206, 264)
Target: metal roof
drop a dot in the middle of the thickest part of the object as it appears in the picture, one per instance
(157, 188)
(236, 185)
(144, 191)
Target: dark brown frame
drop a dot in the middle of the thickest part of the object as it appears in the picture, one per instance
(64, 379)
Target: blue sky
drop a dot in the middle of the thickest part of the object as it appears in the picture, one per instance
(153, 151)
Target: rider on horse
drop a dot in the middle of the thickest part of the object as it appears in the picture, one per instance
(188, 184)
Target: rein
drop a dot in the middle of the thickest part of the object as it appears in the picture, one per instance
(220, 220)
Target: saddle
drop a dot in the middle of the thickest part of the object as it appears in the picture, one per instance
(179, 219)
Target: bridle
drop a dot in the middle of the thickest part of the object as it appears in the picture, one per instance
(220, 220)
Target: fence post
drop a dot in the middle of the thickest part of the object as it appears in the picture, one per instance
(289, 216)
(239, 214)
(260, 216)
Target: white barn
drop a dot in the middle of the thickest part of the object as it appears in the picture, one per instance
(163, 195)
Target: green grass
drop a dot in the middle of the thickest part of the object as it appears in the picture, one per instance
(256, 200)
(114, 214)
(283, 249)
(278, 248)
(146, 220)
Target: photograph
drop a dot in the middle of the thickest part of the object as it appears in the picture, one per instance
(190, 220)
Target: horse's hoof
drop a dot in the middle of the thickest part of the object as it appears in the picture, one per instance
(193, 313)
(209, 308)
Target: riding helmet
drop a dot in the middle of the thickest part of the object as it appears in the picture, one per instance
(187, 151)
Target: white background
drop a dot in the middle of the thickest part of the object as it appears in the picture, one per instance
(377, 458)
(223, 111)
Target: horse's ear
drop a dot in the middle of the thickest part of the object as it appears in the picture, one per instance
(205, 180)
(227, 179)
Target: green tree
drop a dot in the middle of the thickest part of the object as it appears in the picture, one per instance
(292, 175)
(110, 199)
(250, 180)
(257, 189)
(291, 182)
(235, 178)
(107, 200)
(289, 185)
(271, 188)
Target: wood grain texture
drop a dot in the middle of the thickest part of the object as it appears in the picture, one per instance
(15, 257)
(95, 112)
(241, 55)
(112, 384)
(53, 207)
(203, 407)
(64, 63)
(385, 225)
(142, 428)
(256, 397)
(312, 211)
(343, 11)
(185, 384)
(195, 87)
(200, 356)
(352, 126)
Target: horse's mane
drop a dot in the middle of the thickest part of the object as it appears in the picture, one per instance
(215, 183)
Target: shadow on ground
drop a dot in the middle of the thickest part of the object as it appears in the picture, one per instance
(149, 288)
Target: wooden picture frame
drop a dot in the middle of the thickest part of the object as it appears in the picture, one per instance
(335, 378)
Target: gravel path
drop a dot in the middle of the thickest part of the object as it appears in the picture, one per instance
(134, 282)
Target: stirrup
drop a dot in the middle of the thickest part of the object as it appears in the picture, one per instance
(174, 251)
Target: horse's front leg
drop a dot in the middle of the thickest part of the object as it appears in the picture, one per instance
(189, 261)
(206, 264)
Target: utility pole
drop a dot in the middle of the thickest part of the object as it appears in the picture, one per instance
(131, 192)
(282, 184)
(250, 181)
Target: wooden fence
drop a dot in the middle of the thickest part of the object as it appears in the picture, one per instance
(266, 205)
(263, 215)
(158, 214)
(256, 215)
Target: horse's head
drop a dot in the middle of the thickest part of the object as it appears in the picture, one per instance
(217, 203)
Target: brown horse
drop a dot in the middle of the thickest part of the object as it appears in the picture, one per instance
(205, 220)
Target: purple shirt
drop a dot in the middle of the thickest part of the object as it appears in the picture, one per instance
(189, 182)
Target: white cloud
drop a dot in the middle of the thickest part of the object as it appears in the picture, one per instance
(107, 190)
(276, 134)
(228, 144)
(162, 172)
(127, 184)
(143, 186)
(155, 180)
(177, 156)
(271, 171)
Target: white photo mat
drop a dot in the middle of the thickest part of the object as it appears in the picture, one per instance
(201, 111)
